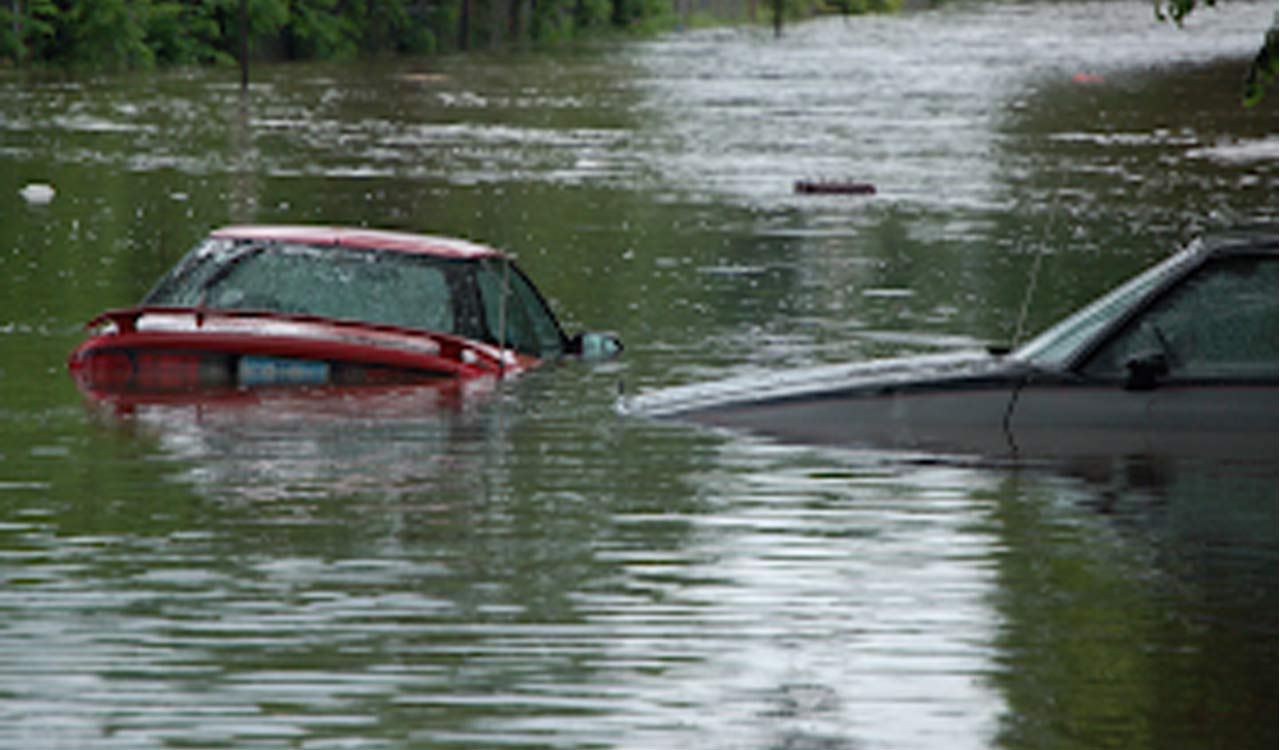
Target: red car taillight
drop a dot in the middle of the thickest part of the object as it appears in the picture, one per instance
(142, 370)
(165, 371)
(104, 369)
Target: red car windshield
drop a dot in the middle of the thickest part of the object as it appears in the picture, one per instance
(455, 296)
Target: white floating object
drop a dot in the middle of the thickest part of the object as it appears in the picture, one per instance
(38, 192)
(888, 293)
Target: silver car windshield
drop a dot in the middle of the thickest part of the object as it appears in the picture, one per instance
(1058, 347)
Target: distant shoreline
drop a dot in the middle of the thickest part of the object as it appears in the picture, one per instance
(114, 35)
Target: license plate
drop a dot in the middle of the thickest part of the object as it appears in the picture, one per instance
(281, 371)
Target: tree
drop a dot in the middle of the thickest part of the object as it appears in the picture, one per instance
(26, 29)
(180, 33)
(107, 34)
(128, 34)
(317, 29)
(1263, 69)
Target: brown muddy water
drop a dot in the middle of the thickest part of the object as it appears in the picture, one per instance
(530, 568)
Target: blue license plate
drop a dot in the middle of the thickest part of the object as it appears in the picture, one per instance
(253, 371)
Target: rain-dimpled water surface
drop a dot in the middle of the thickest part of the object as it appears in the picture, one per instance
(521, 565)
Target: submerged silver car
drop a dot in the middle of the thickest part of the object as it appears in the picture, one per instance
(1180, 360)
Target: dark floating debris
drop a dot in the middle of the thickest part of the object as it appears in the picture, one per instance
(834, 187)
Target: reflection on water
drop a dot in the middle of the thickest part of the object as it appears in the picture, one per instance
(782, 605)
(269, 443)
(521, 567)
(1152, 609)
(688, 592)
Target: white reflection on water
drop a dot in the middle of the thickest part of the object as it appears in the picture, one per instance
(841, 607)
(807, 601)
(559, 578)
(910, 104)
(268, 444)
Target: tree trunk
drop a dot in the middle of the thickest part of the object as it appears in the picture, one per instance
(21, 52)
(464, 26)
(244, 45)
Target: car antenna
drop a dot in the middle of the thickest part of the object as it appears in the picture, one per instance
(1033, 278)
(1026, 300)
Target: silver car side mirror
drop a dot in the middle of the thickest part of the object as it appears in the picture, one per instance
(595, 345)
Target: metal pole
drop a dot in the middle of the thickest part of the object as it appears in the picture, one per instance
(502, 316)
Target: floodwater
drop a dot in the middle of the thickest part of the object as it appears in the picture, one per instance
(522, 566)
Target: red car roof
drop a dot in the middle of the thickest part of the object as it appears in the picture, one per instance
(365, 239)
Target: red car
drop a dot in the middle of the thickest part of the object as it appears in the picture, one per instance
(302, 305)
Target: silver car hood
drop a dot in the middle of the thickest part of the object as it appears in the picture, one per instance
(919, 370)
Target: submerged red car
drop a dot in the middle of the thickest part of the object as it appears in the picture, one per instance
(302, 305)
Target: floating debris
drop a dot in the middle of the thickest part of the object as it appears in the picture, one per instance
(423, 77)
(834, 187)
(38, 193)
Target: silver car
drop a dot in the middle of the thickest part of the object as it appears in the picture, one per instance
(1180, 360)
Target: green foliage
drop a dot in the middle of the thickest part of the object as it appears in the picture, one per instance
(185, 34)
(27, 29)
(266, 17)
(1263, 70)
(859, 7)
(128, 34)
(591, 14)
(316, 29)
(640, 15)
(551, 22)
(1177, 10)
(441, 18)
(1261, 77)
(381, 25)
(105, 34)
